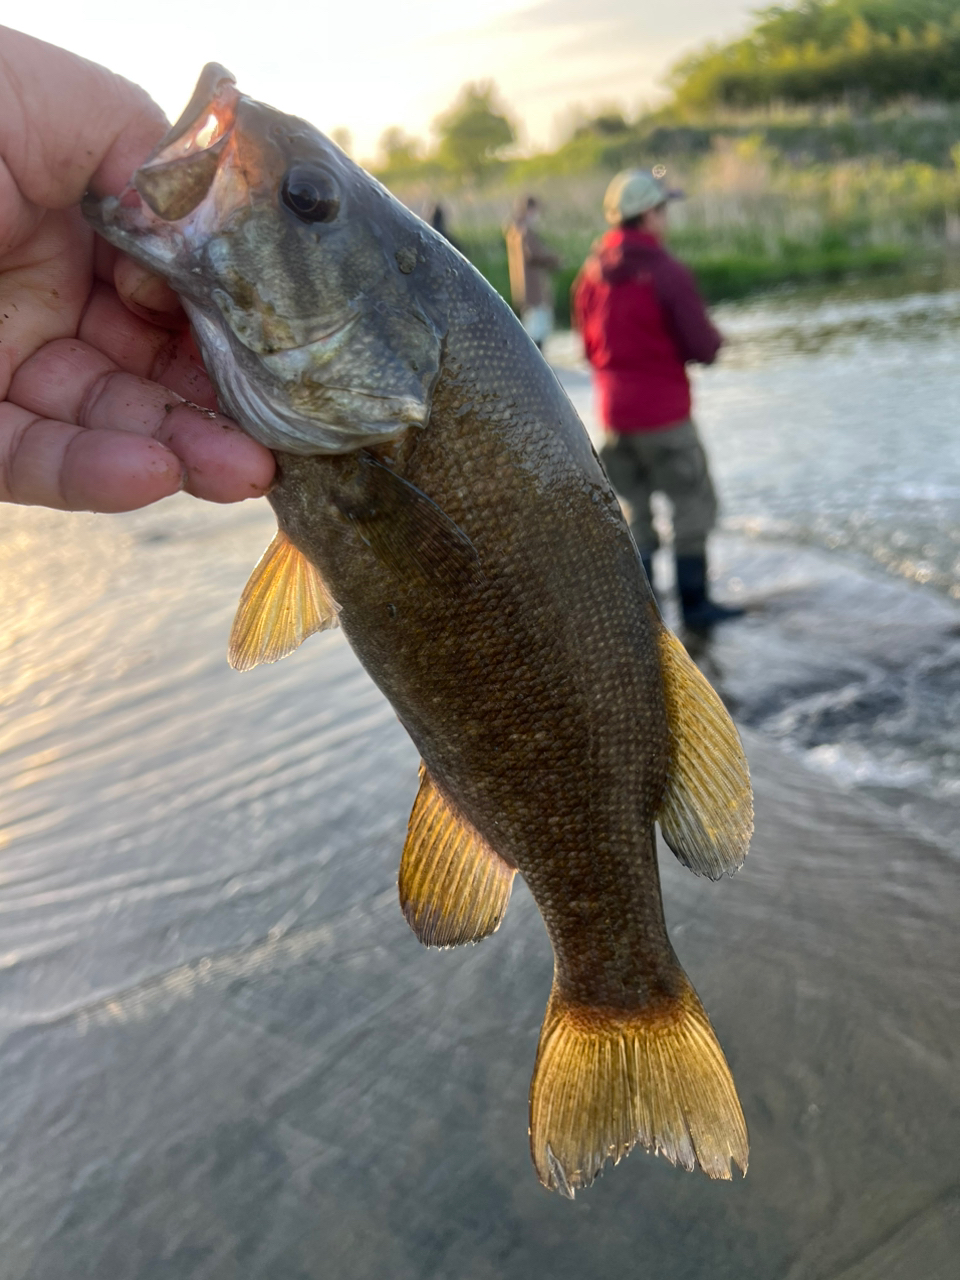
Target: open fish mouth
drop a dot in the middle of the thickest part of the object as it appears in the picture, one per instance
(180, 172)
(186, 191)
(178, 175)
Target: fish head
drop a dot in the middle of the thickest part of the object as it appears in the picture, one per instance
(298, 270)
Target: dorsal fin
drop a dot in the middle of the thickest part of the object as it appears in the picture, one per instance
(284, 602)
(706, 814)
(453, 887)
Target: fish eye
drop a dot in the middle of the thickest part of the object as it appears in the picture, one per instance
(311, 194)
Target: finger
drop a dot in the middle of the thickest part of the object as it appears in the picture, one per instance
(180, 368)
(222, 463)
(67, 124)
(147, 295)
(72, 382)
(169, 358)
(58, 464)
(129, 341)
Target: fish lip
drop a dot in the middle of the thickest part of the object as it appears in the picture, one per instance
(215, 94)
(126, 222)
(205, 127)
(176, 177)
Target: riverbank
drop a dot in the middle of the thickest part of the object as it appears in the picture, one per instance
(758, 213)
(728, 275)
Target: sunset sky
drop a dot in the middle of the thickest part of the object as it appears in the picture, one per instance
(373, 63)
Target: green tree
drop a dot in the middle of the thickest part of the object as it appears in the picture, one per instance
(818, 50)
(399, 149)
(474, 130)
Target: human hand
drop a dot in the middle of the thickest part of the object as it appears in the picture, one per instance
(104, 402)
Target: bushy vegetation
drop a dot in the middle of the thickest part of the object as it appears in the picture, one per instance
(822, 134)
(822, 50)
(751, 220)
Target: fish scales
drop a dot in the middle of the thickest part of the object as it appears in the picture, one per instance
(552, 728)
(438, 497)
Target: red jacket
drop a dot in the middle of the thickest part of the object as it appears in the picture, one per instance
(641, 319)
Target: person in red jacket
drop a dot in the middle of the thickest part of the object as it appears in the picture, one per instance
(641, 320)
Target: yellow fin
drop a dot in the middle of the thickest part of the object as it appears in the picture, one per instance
(706, 815)
(453, 887)
(284, 602)
(606, 1081)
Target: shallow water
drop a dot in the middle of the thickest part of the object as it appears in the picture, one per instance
(831, 423)
(224, 1054)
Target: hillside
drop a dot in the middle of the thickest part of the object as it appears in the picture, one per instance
(829, 50)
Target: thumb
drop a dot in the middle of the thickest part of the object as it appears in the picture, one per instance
(68, 125)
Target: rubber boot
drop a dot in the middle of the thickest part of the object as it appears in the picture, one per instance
(699, 611)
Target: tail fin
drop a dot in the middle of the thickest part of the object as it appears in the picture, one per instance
(607, 1080)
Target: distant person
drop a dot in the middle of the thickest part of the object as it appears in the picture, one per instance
(642, 320)
(438, 220)
(530, 263)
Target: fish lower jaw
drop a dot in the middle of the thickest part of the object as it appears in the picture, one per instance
(125, 229)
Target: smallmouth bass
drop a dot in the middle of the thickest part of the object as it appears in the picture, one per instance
(438, 497)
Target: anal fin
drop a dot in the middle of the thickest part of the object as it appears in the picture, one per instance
(706, 815)
(284, 601)
(453, 887)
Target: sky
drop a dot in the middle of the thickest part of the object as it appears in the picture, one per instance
(369, 64)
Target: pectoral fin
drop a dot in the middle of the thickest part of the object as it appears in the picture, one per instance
(706, 815)
(407, 531)
(284, 602)
(453, 887)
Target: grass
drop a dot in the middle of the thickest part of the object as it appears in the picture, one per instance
(723, 275)
(755, 218)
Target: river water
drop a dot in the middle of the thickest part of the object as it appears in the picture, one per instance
(831, 423)
(225, 1056)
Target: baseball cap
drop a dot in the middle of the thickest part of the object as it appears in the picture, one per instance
(635, 191)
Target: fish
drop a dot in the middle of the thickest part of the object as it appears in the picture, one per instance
(438, 498)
